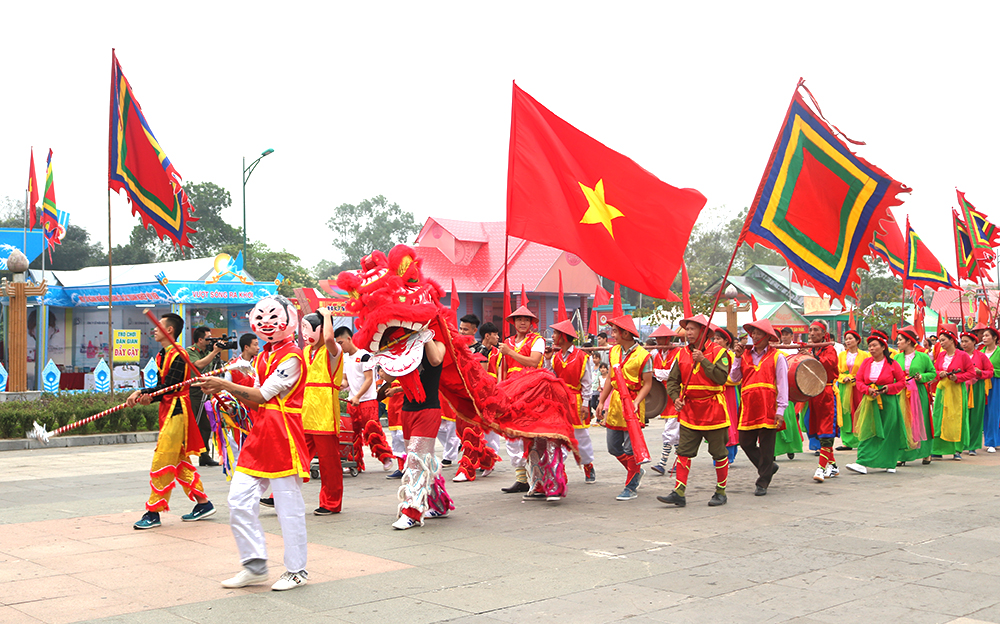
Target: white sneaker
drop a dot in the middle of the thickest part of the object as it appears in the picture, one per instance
(460, 478)
(818, 476)
(243, 578)
(290, 580)
(405, 522)
(487, 473)
(860, 469)
(990, 449)
(388, 464)
(891, 470)
(831, 471)
(435, 514)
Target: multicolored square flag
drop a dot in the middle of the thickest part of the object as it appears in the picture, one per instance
(889, 246)
(569, 191)
(922, 267)
(138, 165)
(983, 235)
(818, 204)
(970, 267)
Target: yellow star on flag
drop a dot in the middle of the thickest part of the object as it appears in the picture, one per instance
(598, 211)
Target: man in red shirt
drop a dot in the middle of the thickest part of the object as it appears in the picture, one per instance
(823, 407)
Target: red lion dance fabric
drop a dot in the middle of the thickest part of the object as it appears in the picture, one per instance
(398, 311)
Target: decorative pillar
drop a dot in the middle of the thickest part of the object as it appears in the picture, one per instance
(17, 330)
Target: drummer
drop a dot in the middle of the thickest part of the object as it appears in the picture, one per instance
(823, 407)
(764, 374)
(663, 360)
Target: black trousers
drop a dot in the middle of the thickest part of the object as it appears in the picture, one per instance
(758, 444)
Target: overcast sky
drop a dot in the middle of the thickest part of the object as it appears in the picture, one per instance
(412, 100)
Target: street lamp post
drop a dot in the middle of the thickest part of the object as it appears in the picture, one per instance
(246, 176)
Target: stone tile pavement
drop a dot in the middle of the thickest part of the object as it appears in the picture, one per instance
(921, 545)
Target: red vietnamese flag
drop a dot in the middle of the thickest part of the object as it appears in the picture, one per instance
(32, 192)
(569, 191)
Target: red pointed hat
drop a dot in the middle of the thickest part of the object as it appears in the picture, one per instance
(910, 332)
(980, 327)
(626, 323)
(522, 311)
(698, 319)
(763, 325)
(663, 332)
(565, 327)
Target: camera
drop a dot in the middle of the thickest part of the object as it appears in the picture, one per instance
(223, 342)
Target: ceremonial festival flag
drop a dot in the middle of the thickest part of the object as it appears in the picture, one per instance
(889, 246)
(984, 312)
(454, 301)
(922, 267)
(50, 214)
(601, 298)
(753, 308)
(32, 192)
(138, 165)
(569, 191)
(850, 320)
(982, 234)
(818, 204)
(969, 266)
(616, 308)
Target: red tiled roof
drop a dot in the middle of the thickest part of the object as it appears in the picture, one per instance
(529, 262)
(946, 302)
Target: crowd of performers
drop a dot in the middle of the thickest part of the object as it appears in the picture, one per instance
(896, 403)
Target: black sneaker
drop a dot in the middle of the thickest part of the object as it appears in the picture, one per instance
(445, 462)
(322, 511)
(149, 520)
(267, 502)
(760, 491)
(673, 499)
(519, 486)
(717, 500)
(206, 460)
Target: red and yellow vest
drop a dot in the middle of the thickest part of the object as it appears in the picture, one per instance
(632, 371)
(321, 398)
(760, 391)
(277, 444)
(704, 403)
(493, 362)
(524, 348)
(571, 371)
(193, 444)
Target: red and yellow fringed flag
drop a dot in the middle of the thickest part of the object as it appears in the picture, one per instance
(138, 165)
(818, 204)
(889, 246)
(922, 267)
(32, 192)
(50, 214)
(970, 267)
(982, 234)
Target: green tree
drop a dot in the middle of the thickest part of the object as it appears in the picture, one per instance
(74, 252)
(212, 234)
(371, 224)
(12, 213)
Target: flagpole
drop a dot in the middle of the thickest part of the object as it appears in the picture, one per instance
(26, 200)
(958, 282)
(111, 331)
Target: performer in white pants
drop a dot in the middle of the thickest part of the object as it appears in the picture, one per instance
(447, 437)
(275, 452)
(573, 366)
(663, 360)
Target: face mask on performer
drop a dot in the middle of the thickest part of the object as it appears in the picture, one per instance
(273, 319)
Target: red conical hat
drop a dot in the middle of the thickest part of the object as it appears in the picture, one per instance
(663, 332)
(698, 319)
(522, 311)
(910, 332)
(763, 325)
(565, 327)
(626, 323)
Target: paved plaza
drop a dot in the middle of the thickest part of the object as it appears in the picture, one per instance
(919, 546)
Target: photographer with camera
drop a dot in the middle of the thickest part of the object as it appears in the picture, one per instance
(205, 354)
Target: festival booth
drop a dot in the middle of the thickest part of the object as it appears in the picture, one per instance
(779, 314)
(212, 292)
(472, 254)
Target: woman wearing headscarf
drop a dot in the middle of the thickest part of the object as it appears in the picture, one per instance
(848, 364)
(919, 371)
(951, 401)
(879, 421)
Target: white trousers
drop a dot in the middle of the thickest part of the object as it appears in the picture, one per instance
(493, 440)
(446, 436)
(586, 446)
(244, 518)
(672, 432)
(515, 450)
(398, 445)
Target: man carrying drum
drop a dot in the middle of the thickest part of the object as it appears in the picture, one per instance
(823, 407)
(764, 374)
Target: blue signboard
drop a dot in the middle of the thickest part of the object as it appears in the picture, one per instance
(13, 238)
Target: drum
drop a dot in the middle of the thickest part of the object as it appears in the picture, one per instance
(806, 377)
(656, 400)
